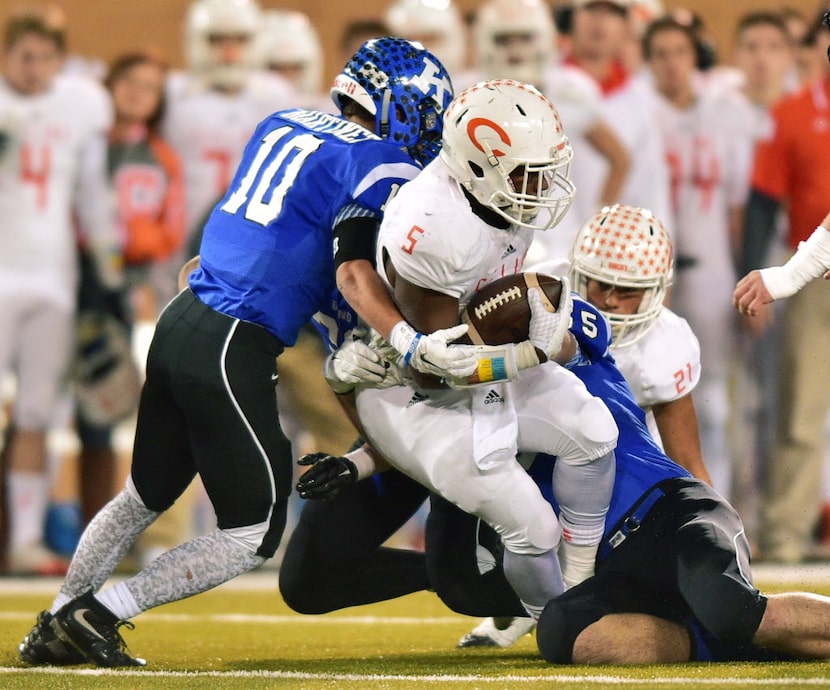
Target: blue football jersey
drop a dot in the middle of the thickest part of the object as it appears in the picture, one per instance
(640, 462)
(266, 254)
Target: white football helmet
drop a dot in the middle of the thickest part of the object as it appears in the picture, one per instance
(291, 43)
(435, 24)
(210, 20)
(497, 126)
(625, 246)
(514, 39)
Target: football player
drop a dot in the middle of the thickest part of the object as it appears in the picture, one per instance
(467, 220)
(621, 263)
(308, 180)
(292, 50)
(673, 580)
(437, 26)
(709, 148)
(52, 170)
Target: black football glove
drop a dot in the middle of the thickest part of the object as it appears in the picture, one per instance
(326, 476)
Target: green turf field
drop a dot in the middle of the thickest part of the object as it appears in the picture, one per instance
(243, 636)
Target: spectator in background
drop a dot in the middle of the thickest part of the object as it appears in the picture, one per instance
(599, 33)
(791, 168)
(146, 177)
(804, 37)
(52, 166)
(764, 60)
(709, 151)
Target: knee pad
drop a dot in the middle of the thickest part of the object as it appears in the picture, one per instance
(534, 537)
(597, 432)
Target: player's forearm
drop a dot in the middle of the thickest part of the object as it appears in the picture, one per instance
(368, 296)
(679, 431)
(810, 261)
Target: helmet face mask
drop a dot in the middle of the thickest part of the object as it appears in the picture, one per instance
(404, 87)
(504, 143)
(625, 247)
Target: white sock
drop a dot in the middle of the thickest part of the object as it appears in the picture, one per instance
(28, 498)
(120, 601)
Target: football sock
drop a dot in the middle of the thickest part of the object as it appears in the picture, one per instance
(193, 567)
(536, 579)
(103, 544)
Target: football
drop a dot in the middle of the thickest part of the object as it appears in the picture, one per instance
(499, 313)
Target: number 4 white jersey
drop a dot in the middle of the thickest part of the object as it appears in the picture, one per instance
(663, 365)
(46, 137)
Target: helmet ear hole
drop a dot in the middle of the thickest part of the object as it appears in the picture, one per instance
(477, 170)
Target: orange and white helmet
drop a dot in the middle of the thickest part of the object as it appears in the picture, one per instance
(291, 47)
(625, 246)
(435, 24)
(207, 22)
(496, 126)
(514, 39)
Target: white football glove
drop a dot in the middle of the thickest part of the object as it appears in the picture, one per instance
(432, 354)
(355, 362)
(547, 328)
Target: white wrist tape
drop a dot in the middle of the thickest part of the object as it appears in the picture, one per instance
(364, 462)
(404, 339)
(810, 261)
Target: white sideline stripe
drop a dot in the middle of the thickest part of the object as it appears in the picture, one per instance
(247, 619)
(765, 575)
(433, 678)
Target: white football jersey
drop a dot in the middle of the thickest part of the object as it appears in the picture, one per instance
(209, 130)
(629, 111)
(709, 148)
(41, 165)
(662, 366)
(436, 242)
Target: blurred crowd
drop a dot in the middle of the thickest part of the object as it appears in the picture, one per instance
(107, 174)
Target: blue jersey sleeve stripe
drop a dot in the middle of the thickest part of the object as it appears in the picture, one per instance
(404, 171)
(353, 211)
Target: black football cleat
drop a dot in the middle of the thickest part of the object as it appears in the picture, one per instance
(41, 646)
(92, 629)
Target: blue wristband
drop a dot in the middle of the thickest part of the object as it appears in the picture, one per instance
(411, 350)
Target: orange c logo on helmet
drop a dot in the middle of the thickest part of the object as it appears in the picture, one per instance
(477, 122)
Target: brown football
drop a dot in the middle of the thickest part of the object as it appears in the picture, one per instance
(499, 313)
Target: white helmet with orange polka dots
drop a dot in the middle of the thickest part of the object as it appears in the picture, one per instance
(625, 246)
(496, 127)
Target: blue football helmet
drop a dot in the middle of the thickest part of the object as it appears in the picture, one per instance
(405, 87)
